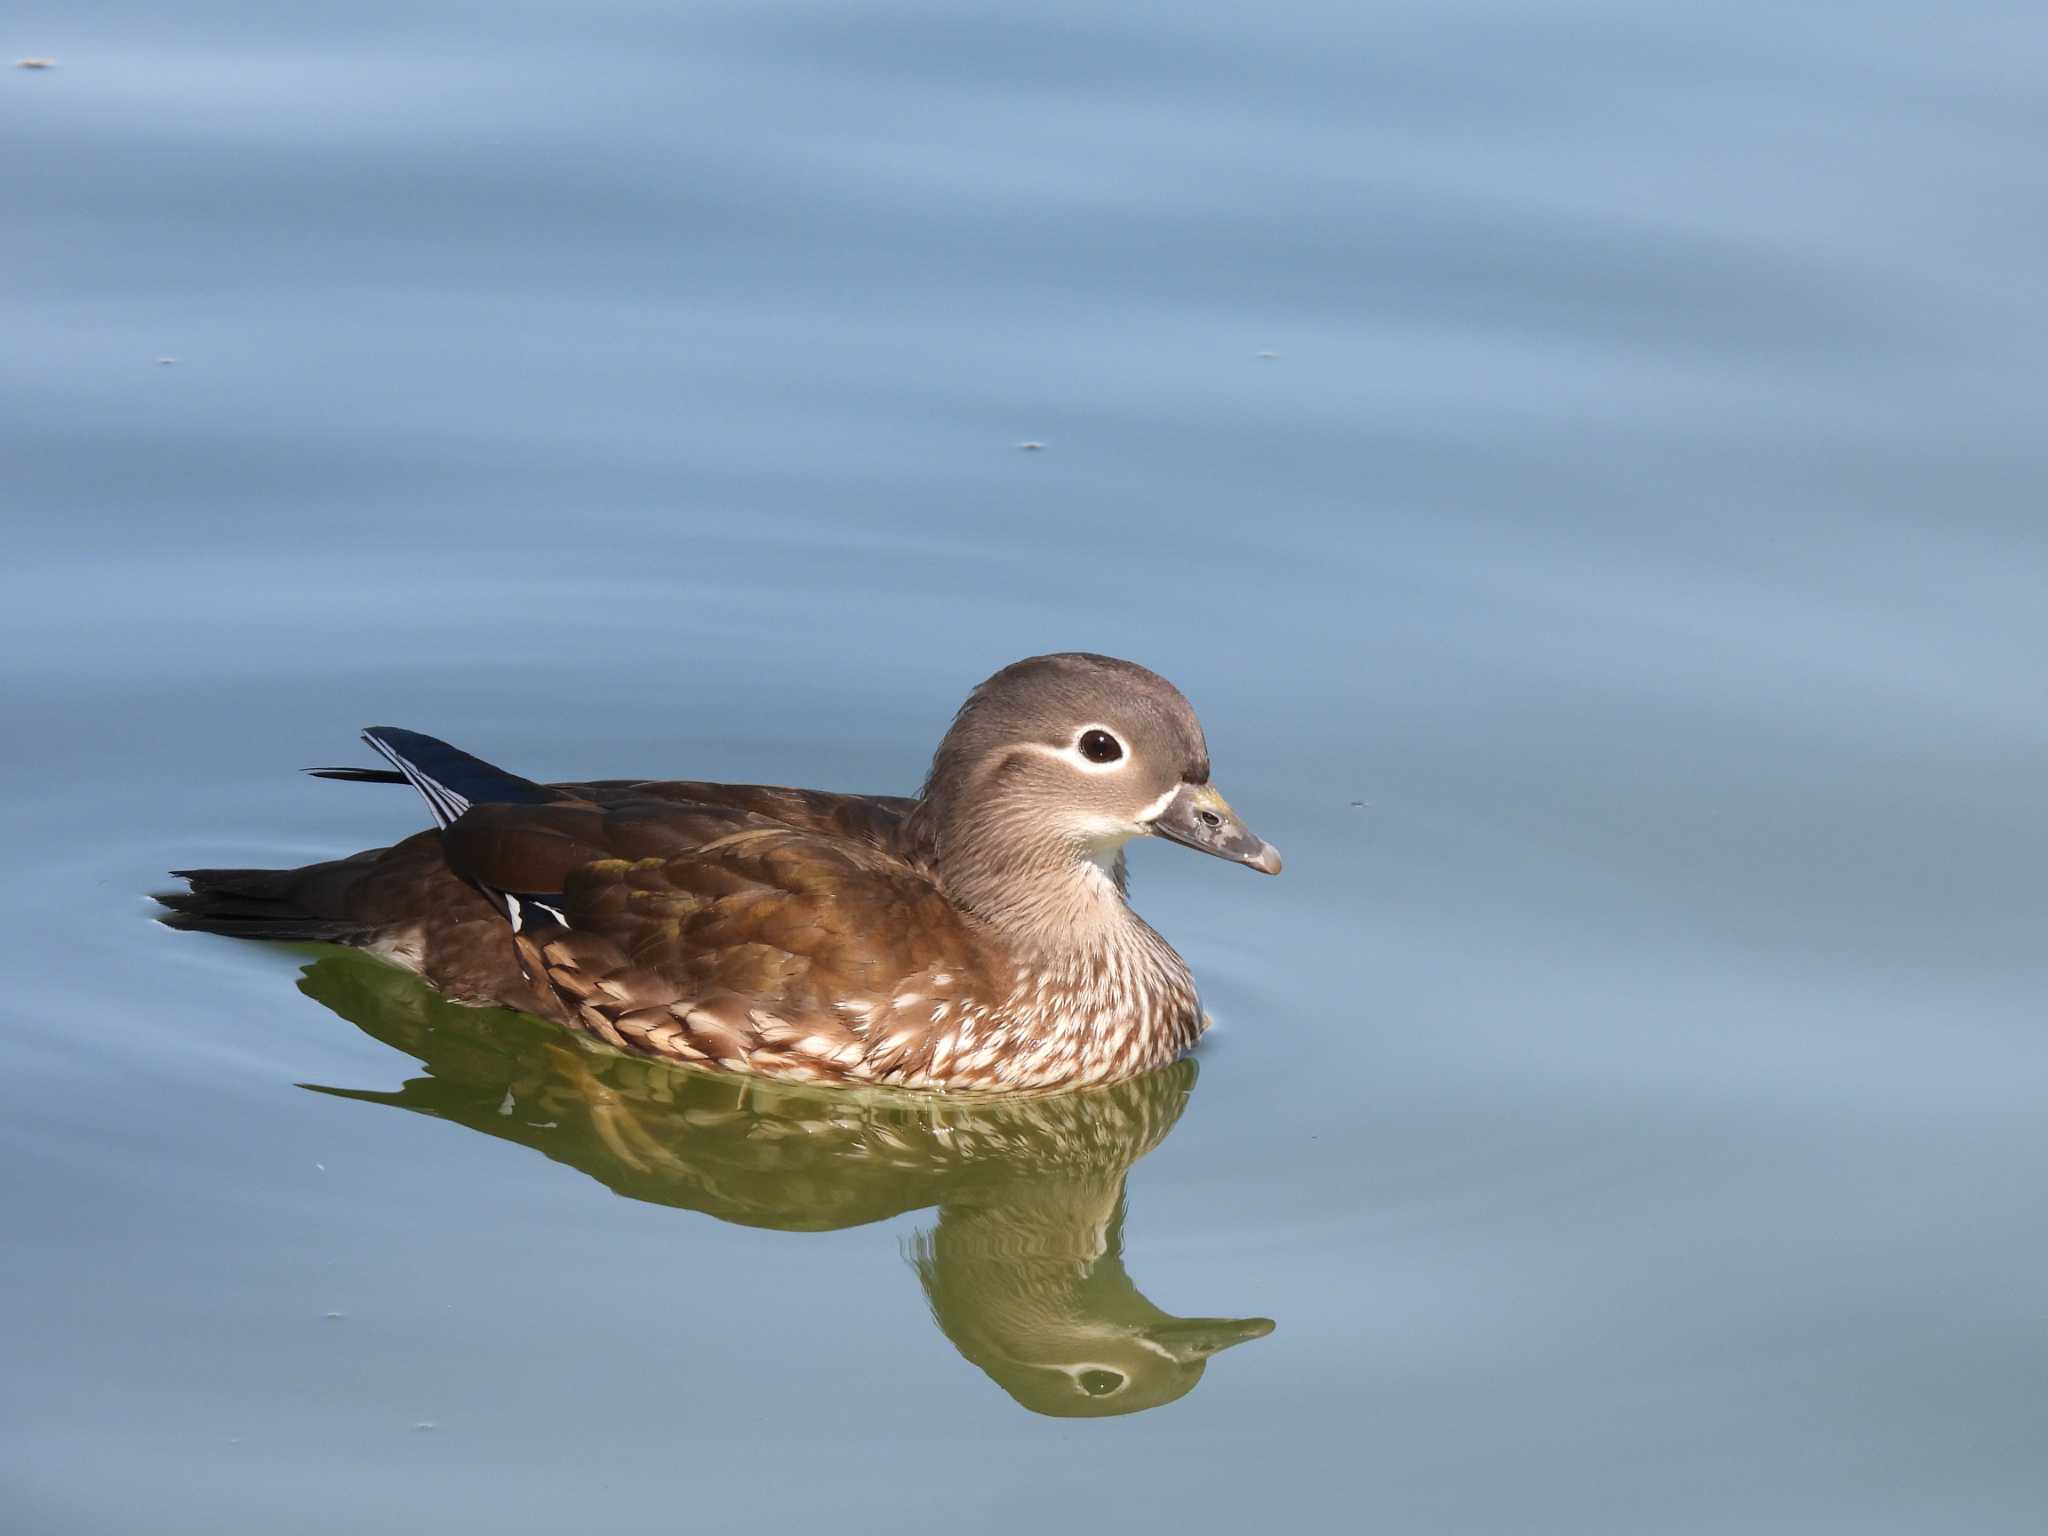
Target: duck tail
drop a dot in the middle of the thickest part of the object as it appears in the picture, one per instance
(252, 904)
(449, 779)
(343, 901)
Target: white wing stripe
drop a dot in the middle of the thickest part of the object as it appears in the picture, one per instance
(444, 802)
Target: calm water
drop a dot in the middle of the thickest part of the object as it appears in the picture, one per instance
(1587, 464)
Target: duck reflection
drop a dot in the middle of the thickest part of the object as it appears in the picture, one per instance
(1023, 1268)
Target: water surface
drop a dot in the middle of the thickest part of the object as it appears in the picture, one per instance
(1584, 461)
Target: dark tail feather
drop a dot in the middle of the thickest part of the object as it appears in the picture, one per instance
(326, 902)
(449, 779)
(361, 775)
(397, 1098)
(249, 904)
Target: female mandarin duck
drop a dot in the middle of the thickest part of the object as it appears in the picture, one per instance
(976, 937)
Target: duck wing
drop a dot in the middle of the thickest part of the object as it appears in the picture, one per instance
(764, 929)
(874, 819)
(877, 820)
(714, 935)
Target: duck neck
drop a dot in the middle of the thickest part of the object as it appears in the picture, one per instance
(1048, 899)
(1090, 981)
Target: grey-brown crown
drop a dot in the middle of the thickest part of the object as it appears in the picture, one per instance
(1046, 699)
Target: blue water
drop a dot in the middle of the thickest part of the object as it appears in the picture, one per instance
(1585, 462)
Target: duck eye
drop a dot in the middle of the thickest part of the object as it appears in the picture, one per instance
(1100, 747)
(1100, 1383)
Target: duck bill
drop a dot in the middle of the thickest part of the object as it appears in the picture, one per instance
(1202, 819)
(1188, 1339)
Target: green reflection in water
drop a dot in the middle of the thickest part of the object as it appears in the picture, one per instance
(1024, 1267)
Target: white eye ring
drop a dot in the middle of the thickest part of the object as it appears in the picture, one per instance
(1081, 1369)
(1099, 749)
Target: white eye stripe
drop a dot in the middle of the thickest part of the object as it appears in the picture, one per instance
(1073, 754)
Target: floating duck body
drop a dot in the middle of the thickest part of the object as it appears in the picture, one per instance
(974, 937)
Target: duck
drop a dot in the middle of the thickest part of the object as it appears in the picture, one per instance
(976, 937)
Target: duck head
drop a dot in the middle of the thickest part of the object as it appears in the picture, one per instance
(1030, 1285)
(1053, 765)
